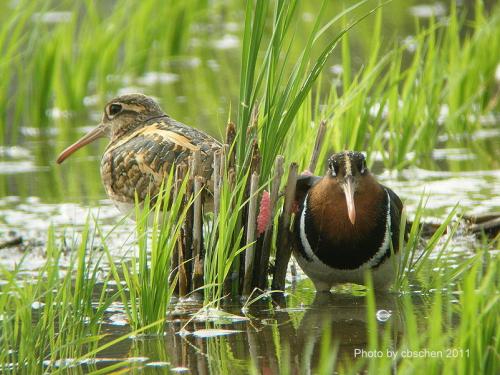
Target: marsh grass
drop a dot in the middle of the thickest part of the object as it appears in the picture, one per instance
(53, 322)
(224, 242)
(440, 82)
(55, 318)
(149, 279)
(437, 84)
(56, 64)
(468, 346)
(281, 90)
(417, 255)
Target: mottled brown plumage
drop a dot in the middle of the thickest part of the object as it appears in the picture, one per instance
(144, 145)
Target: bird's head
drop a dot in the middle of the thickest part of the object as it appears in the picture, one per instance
(121, 115)
(348, 168)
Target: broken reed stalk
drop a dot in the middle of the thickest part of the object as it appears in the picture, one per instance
(251, 269)
(265, 251)
(223, 163)
(230, 141)
(284, 249)
(253, 168)
(320, 136)
(197, 276)
(188, 226)
(195, 163)
(251, 234)
(179, 258)
(255, 160)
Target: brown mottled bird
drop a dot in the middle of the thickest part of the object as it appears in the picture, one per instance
(346, 224)
(144, 144)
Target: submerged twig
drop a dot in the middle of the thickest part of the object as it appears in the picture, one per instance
(11, 242)
(481, 218)
(489, 227)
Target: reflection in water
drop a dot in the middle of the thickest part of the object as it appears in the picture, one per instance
(346, 316)
(277, 339)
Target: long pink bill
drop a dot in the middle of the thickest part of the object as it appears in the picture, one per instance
(90, 137)
(349, 198)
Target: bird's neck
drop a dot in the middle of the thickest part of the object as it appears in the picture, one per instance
(124, 131)
(134, 124)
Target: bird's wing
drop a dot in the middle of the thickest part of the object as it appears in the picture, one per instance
(197, 136)
(141, 160)
(396, 210)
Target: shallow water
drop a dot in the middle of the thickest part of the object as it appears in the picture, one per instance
(35, 194)
(268, 335)
(265, 335)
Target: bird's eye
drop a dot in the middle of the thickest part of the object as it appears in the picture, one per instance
(114, 109)
(362, 168)
(334, 168)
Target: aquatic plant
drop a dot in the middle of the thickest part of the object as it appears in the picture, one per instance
(55, 317)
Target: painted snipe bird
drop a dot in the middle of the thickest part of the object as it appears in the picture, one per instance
(346, 224)
(144, 144)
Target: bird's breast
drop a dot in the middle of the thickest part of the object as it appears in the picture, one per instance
(325, 233)
(124, 171)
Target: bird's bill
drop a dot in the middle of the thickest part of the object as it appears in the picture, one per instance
(90, 137)
(349, 198)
